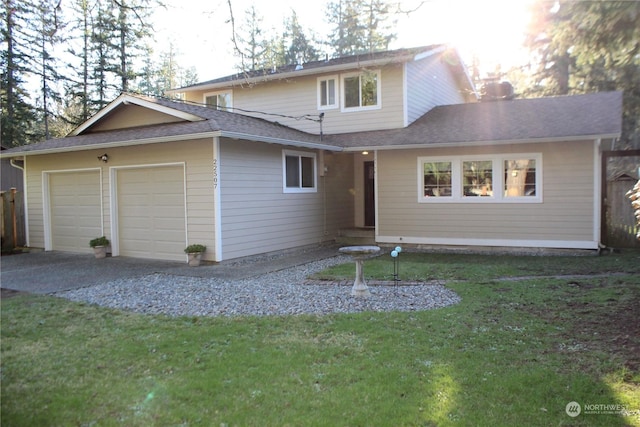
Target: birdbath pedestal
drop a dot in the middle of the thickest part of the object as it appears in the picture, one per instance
(359, 254)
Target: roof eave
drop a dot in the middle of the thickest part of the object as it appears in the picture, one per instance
(476, 143)
(129, 143)
(281, 141)
(113, 144)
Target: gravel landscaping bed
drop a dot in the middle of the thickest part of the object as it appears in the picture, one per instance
(283, 292)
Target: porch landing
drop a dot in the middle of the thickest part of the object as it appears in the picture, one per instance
(357, 236)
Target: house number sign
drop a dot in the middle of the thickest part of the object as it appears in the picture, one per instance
(215, 173)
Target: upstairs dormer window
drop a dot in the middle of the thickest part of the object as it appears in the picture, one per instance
(361, 90)
(327, 92)
(218, 100)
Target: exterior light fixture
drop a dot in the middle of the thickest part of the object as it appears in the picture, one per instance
(104, 158)
(364, 153)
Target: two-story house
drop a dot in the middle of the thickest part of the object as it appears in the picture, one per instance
(265, 161)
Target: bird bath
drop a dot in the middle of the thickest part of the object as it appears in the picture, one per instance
(359, 254)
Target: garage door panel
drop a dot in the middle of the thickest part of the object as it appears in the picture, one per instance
(151, 212)
(75, 210)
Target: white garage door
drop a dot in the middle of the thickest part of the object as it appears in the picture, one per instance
(151, 212)
(75, 210)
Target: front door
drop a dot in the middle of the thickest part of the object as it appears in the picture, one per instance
(369, 195)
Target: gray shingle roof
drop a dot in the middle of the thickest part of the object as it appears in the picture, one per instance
(398, 55)
(590, 115)
(213, 121)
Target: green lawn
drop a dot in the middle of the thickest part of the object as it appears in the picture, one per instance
(512, 353)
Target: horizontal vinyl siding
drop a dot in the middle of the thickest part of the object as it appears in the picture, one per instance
(298, 97)
(430, 84)
(197, 156)
(34, 204)
(566, 213)
(128, 116)
(257, 217)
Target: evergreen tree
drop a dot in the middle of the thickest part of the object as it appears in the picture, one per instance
(167, 73)
(131, 28)
(378, 35)
(18, 116)
(47, 35)
(146, 81)
(588, 47)
(297, 46)
(78, 105)
(359, 26)
(348, 33)
(252, 44)
(103, 48)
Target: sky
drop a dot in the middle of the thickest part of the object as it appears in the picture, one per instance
(490, 29)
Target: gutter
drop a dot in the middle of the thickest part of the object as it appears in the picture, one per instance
(477, 143)
(269, 140)
(129, 143)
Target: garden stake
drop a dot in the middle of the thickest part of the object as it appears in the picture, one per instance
(396, 266)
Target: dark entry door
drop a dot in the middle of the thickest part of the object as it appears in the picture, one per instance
(369, 195)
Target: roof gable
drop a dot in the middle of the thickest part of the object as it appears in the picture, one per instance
(129, 111)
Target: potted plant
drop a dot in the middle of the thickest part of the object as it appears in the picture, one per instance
(194, 253)
(99, 245)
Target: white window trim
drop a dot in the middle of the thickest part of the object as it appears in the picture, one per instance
(300, 189)
(498, 179)
(336, 78)
(220, 92)
(378, 106)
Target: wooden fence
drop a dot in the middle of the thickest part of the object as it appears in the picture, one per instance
(621, 221)
(12, 211)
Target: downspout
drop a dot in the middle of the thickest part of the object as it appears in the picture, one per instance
(15, 165)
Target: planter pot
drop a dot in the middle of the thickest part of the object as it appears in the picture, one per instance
(194, 259)
(100, 251)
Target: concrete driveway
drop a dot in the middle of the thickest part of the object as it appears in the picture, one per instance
(50, 272)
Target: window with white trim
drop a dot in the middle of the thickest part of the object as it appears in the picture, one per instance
(497, 178)
(361, 90)
(327, 92)
(299, 172)
(219, 100)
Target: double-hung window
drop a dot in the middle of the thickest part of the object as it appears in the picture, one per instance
(219, 100)
(361, 90)
(495, 178)
(299, 172)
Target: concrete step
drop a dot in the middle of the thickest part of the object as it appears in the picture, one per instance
(356, 237)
